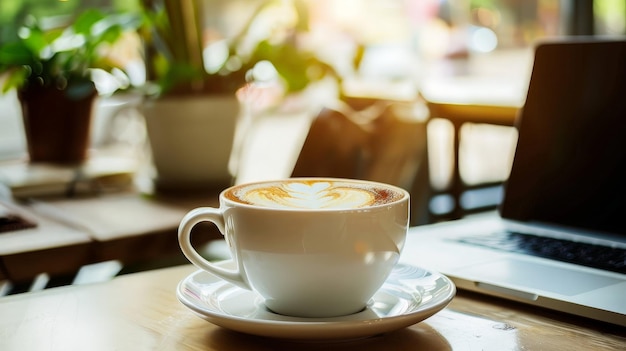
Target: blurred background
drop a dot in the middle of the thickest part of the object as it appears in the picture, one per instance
(477, 51)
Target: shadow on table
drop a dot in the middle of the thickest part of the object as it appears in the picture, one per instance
(420, 337)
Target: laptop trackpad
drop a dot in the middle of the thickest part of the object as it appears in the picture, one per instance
(538, 276)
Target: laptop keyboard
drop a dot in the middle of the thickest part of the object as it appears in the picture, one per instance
(590, 255)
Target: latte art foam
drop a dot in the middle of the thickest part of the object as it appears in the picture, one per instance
(313, 194)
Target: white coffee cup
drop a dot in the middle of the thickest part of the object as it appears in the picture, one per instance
(311, 247)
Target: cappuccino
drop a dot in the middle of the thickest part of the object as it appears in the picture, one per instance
(310, 247)
(313, 194)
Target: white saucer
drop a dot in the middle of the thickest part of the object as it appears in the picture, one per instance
(410, 295)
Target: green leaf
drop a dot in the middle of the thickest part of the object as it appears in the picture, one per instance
(35, 41)
(53, 34)
(291, 64)
(85, 22)
(14, 54)
(15, 79)
(111, 34)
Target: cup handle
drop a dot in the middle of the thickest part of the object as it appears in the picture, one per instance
(209, 214)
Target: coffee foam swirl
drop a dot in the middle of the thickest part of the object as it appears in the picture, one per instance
(313, 195)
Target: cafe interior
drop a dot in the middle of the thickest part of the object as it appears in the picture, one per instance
(190, 97)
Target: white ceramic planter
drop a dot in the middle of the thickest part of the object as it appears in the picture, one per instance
(191, 139)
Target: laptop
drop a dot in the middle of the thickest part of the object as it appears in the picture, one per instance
(558, 239)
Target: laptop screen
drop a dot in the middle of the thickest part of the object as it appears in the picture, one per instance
(570, 162)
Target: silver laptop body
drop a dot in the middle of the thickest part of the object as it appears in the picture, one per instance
(567, 182)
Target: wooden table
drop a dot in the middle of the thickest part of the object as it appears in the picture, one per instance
(141, 312)
(128, 227)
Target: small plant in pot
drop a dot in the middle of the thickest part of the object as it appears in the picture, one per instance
(190, 114)
(192, 109)
(51, 68)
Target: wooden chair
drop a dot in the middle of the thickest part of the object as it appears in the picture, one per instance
(372, 139)
(459, 114)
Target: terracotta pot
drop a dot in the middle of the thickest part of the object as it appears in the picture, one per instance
(191, 138)
(56, 126)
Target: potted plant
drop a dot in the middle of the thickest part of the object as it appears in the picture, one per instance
(190, 114)
(192, 108)
(51, 70)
